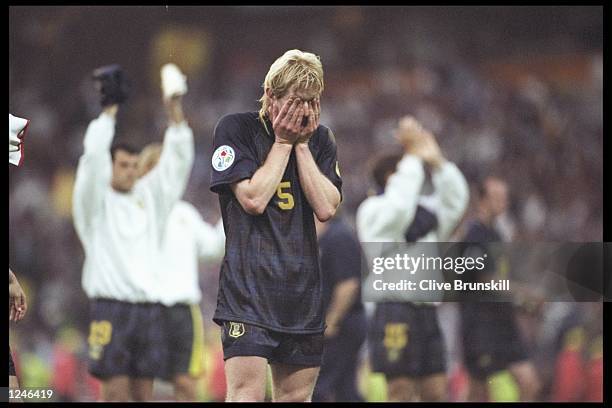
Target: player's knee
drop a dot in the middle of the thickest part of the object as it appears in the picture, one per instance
(303, 394)
(245, 391)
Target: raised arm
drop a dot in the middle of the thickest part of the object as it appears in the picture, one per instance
(168, 180)
(453, 197)
(94, 171)
(385, 217)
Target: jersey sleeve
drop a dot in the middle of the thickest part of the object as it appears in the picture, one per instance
(453, 194)
(386, 217)
(233, 157)
(327, 160)
(93, 174)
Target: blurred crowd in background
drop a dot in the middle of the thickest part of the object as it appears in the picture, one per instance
(515, 92)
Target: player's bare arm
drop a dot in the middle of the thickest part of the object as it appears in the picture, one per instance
(17, 299)
(255, 193)
(345, 294)
(320, 192)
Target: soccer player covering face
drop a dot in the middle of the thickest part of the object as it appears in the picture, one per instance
(274, 172)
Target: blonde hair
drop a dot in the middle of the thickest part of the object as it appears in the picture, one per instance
(148, 158)
(294, 67)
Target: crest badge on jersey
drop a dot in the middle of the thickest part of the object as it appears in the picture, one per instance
(223, 158)
(236, 329)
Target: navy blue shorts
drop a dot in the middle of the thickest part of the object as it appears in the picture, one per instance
(406, 341)
(184, 333)
(242, 339)
(491, 338)
(126, 339)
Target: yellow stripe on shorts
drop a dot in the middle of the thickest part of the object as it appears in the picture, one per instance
(196, 363)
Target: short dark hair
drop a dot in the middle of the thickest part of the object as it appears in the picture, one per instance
(382, 166)
(126, 147)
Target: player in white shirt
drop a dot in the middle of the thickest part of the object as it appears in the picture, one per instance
(405, 338)
(187, 240)
(120, 221)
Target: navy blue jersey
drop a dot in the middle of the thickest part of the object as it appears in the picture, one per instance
(340, 260)
(270, 274)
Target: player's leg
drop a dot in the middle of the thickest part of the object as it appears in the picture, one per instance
(13, 381)
(433, 388)
(185, 334)
(246, 378)
(293, 383)
(527, 379)
(14, 385)
(110, 330)
(185, 387)
(295, 364)
(353, 335)
(433, 379)
(141, 389)
(478, 338)
(246, 351)
(477, 390)
(331, 372)
(401, 389)
(396, 349)
(116, 389)
(148, 350)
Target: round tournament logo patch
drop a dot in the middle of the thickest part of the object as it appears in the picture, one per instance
(223, 158)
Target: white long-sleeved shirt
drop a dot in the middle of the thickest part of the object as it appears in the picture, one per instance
(121, 232)
(386, 217)
(17, 129)
(187, 240)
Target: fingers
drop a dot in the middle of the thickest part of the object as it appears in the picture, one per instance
(298, 114)
(23, 307)
(313, 122)
(282, 113)
(285, 117)
(12, 312)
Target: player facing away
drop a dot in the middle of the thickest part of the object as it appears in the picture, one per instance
(274, 171)
(344, 313)
(491, 338)
(187, 240)
(406, 341)
(120, 221)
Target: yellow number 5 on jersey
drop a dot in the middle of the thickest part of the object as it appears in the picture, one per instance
(287, 198)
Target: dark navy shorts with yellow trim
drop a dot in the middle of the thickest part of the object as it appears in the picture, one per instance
(242, 339)
(184, 332)
(126, 339)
